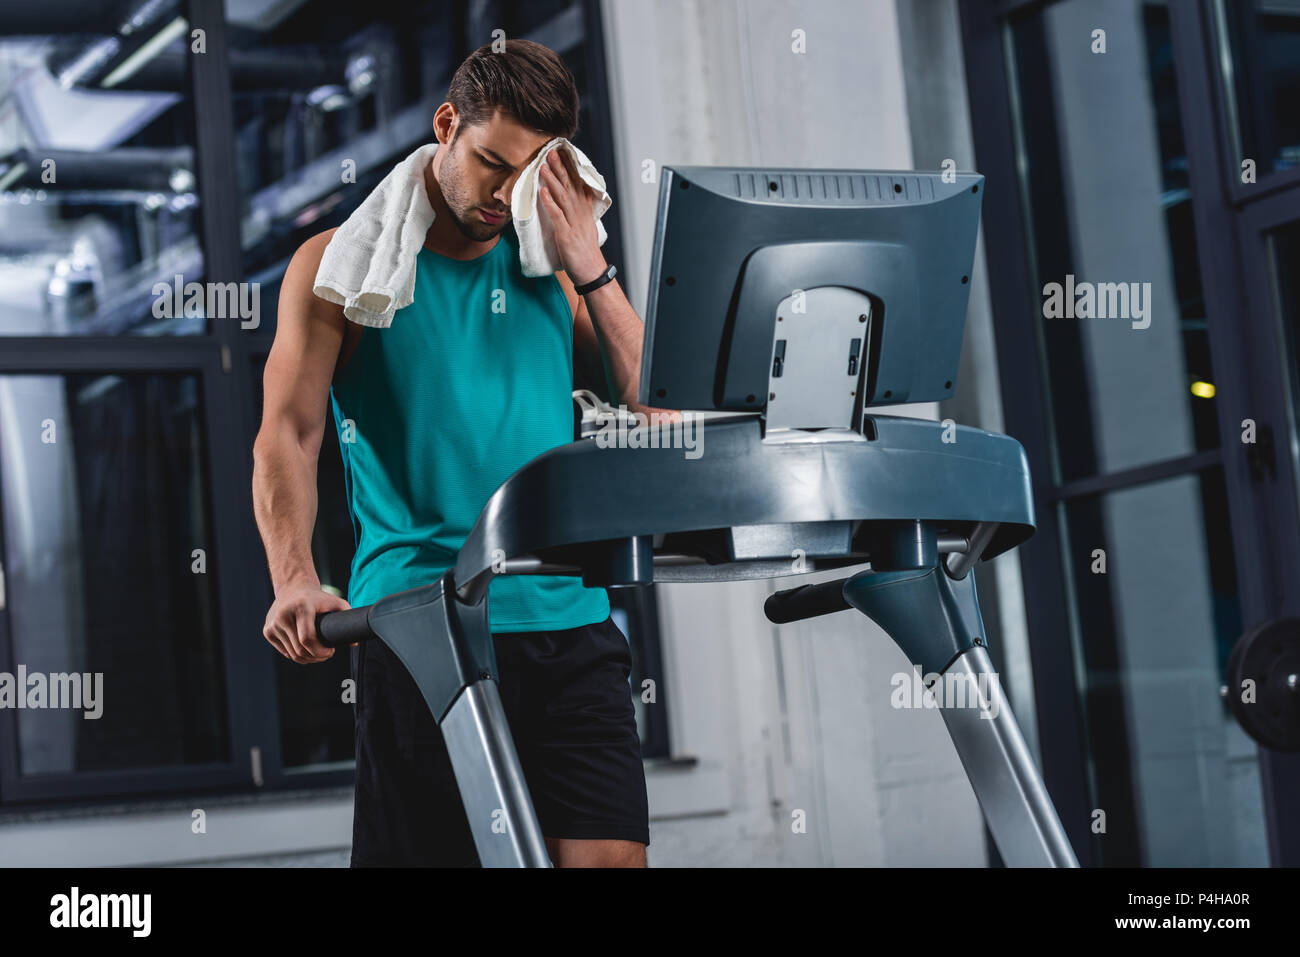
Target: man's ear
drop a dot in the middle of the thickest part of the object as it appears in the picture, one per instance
(447, 118)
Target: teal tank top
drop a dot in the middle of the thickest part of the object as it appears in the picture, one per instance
(471, 381)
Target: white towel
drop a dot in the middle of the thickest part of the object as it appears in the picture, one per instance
(537, 252)
(369, 263)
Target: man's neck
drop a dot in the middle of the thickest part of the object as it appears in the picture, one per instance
(443, 237)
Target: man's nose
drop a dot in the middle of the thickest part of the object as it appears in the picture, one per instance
(502, 194)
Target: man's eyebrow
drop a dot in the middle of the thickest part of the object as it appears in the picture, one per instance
(498, 157)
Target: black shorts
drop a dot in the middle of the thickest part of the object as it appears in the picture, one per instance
(569, 706)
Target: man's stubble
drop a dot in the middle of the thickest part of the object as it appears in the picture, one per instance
(451, 183)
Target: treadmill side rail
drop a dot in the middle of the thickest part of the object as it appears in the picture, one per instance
(447, 647)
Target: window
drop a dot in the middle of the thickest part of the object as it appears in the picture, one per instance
(1155, 546)
(128, 411)
(99, 180)
(1261, 61)
(108, 533)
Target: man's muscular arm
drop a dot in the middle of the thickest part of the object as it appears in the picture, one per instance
(610, 335)
(296, 382)
(614, 357)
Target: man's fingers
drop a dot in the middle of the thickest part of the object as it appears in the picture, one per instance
(559, 170)
(293, 644)
(307, 638)
(290, 627)
(275, 635)
(296, 652)
(570, 166)
(304, 653)
(561, 192)
(553, 207)
(582, 193)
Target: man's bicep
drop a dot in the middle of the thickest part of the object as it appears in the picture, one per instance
(300, 365)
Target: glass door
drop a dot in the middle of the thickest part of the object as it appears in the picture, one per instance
(1139, 292)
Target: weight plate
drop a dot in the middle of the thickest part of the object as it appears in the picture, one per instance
(1269, 656)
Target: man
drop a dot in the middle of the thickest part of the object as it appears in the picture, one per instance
(433, 413)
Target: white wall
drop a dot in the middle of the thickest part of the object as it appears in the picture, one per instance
(797, 717)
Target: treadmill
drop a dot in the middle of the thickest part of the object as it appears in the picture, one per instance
(784, 304)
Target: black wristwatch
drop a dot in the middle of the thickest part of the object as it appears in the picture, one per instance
(596, 283)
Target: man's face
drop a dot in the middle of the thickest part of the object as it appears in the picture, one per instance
(479, 171)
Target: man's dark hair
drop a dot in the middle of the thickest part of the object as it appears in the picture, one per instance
(528, 81)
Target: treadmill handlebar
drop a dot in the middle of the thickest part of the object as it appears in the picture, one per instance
(336, 629)
(805, 601)
(339, 628)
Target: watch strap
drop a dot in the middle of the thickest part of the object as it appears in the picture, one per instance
(596, 283)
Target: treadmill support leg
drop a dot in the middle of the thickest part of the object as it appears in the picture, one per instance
(447, 647)
(935, 619)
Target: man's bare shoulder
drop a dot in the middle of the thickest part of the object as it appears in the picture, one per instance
(312, 250)
(300, 276)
